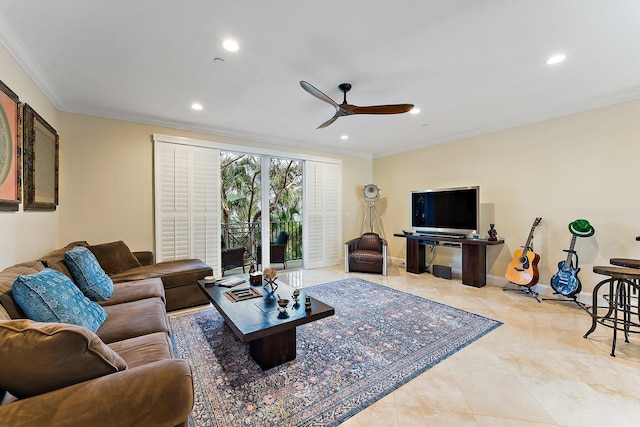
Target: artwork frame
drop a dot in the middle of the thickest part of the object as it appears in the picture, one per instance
(10, 150)
(41, 150)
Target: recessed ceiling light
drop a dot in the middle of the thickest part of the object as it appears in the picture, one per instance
(196, 106)
(556, 59)
(344, 137)
(414, 110)
(230, 45)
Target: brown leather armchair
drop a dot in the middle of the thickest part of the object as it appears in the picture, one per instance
(367, 254)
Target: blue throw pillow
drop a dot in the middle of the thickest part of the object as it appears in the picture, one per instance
(282, 238)
(50, 296)
(87, 273)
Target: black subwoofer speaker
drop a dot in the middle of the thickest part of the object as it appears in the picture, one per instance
(442, 271)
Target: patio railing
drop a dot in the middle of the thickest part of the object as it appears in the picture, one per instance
(249, 236)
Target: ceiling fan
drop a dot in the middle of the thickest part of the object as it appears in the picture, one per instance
(345, 109)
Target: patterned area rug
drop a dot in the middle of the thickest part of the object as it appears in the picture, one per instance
(379, 339)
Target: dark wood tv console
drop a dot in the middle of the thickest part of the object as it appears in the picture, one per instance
(474, 256)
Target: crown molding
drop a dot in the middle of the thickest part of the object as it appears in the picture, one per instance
(23, 57)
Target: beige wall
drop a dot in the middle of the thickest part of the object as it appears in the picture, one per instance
(107, 180)
(578, 166)
(25, 235)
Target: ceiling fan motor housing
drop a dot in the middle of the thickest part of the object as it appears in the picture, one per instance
(344, 87)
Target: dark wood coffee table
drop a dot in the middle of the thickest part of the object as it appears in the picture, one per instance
(272, 340)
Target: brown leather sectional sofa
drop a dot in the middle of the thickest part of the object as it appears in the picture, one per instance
(125, 373)
(179, 278)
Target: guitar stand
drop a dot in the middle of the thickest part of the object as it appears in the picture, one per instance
(573, 299)
(527, 290)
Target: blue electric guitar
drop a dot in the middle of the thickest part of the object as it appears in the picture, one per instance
(565, 281)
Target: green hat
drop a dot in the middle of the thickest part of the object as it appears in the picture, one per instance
(581, 228)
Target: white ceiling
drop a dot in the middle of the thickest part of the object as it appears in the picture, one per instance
(470, 66)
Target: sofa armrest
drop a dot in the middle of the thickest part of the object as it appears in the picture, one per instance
(157, 394)
(144, 257)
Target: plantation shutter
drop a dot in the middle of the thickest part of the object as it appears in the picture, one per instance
(187, 202)
(205, 205)
(322, 208)
(172, 202)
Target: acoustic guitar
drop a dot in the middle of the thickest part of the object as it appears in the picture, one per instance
(565, 281)
(523, 269)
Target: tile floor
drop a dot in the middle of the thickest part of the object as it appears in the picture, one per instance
(535, 370)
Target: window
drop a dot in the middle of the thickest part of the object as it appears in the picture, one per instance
(187, 202)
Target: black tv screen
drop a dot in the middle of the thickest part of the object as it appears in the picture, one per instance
(450, 210)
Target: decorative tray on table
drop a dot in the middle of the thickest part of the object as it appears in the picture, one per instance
(236, 295)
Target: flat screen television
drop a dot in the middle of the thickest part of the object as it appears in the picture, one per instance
(447, 211)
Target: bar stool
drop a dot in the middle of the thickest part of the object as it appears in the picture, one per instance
(623, 312)
(625, 262)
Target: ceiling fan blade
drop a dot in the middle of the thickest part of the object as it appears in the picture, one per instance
(328, 122)
(381, 109)
(315, 92)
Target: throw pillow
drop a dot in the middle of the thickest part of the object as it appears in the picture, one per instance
(87, 273)
(7, 277)
(50, 296)
(115, 257)
(282, 238)
(41, 357)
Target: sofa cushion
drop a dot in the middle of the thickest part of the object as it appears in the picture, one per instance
(88, 274)
(133, 291)
(133, 319)
(7, 277)
(370, 242)
(60, 265)
(144, 257)
(173, 273)
(59, 253)
(50, 296)
(114, 257)
(41, 357)
(144, 349)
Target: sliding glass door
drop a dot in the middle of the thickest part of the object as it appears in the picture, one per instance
(241, 207)
(285, 213)
(261, 196)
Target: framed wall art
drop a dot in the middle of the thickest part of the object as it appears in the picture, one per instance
(41, 162)
(10, 150)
